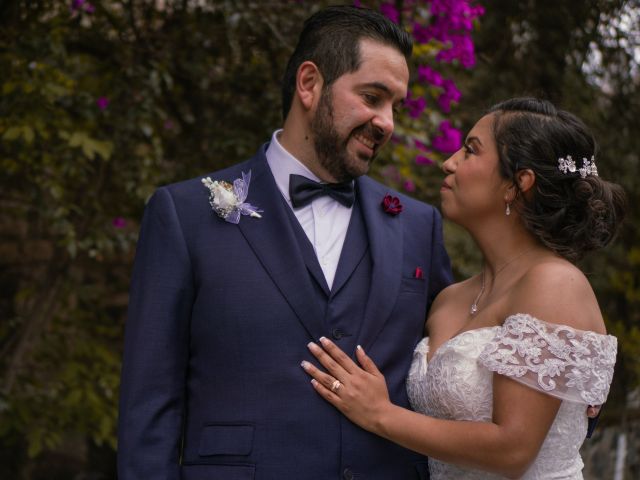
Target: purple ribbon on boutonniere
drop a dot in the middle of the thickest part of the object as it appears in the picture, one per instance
(228, 201)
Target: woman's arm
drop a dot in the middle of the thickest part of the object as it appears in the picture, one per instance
(556, 292)
(507, 445)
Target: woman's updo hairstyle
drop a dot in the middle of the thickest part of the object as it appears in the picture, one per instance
(569, 214)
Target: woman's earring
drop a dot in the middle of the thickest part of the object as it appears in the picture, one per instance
(507, 211)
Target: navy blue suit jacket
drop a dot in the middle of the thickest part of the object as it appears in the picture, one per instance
(219, 319)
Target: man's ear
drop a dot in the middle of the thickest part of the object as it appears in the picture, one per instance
(309, 84)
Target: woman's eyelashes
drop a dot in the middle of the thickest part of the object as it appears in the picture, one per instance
(468, 149)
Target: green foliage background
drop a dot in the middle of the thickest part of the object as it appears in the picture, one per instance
(193, 87)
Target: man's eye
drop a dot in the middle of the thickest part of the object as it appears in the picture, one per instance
(371, 99)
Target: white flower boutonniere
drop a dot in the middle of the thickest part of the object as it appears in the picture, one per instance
(228, 200)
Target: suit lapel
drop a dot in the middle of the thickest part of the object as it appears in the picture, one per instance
(307, 251)
(354, 248)
(386, 243)
(273, 241)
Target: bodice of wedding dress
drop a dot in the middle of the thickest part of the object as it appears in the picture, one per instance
(573, 365)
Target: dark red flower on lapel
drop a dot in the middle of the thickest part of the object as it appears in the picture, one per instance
(391, 205)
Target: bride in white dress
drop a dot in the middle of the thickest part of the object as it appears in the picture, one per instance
(515, 354)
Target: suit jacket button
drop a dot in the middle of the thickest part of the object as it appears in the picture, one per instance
(347, 474)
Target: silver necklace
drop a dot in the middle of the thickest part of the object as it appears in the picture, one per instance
(474, 306)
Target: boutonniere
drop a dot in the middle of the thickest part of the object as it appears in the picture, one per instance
(391, 205)
(228, 200)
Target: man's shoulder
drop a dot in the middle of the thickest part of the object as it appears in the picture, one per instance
(227, 174)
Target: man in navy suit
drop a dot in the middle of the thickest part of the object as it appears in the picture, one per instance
(232, 282)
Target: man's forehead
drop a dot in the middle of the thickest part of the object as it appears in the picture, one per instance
(382, 64)
(371, 48)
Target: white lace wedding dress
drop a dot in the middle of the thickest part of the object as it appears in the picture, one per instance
(573, 365)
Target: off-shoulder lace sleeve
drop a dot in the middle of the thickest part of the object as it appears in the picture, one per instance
(570, 364)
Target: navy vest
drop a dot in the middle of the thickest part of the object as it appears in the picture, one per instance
(345, 303)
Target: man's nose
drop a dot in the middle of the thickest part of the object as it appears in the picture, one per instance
(383, 121)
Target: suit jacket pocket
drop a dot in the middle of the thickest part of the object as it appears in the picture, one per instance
(226, 439)
(413, 285)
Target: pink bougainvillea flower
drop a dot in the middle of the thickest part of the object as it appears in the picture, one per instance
(461, 49)
(450, 94)
(82, 6)
(415, 106)
(428, 75)
(424, 160)
(103, 102)
(451, 24)
(421, 34)
(458, 13)
(420, 146)
(119, 222)
(449, 140)
(409, 186)
(389, 10)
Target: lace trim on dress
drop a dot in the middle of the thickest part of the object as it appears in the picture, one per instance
(570, 364)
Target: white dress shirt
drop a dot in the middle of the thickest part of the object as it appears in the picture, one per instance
(324, 220)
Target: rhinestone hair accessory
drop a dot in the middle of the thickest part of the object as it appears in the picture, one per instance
(568, 165)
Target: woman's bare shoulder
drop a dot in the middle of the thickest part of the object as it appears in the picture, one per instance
(453, 292)
(557, 291)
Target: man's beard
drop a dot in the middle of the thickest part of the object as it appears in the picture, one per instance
(330, 147)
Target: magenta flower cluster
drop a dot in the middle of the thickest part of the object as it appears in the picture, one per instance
(450, 22)
(450, 93)
(415, 105)
(119, 222)
(449, 139)
(82, 6)
(103, 103)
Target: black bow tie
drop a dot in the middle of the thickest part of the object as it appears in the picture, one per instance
(302, 190)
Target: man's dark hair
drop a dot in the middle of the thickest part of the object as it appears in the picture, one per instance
(331, 38)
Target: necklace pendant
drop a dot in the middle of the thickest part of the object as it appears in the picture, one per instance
(474, 309)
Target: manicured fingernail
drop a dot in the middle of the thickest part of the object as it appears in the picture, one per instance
(312, 346)
(323, 340)
(304, 364)
(359, 347)
(314, 382)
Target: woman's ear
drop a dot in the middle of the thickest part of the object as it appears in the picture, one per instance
(309, 84)
(525, 179)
